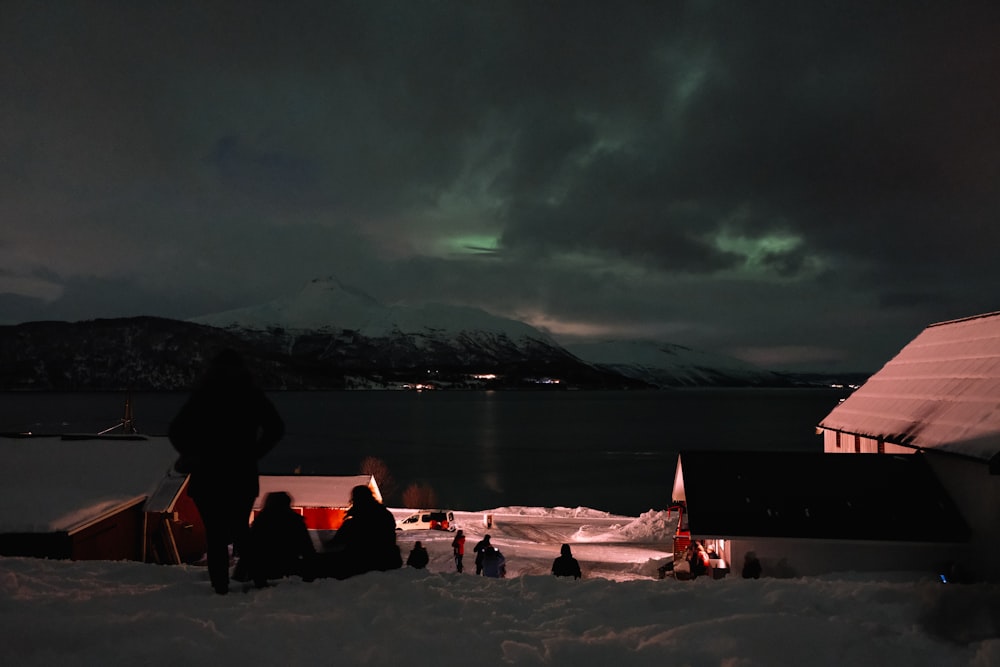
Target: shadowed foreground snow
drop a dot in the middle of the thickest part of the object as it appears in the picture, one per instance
(99, 613)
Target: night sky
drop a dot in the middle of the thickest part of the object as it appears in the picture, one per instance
(803, 185)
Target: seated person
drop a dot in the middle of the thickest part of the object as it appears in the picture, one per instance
(280, 544)
(366, 540)
(418, 557)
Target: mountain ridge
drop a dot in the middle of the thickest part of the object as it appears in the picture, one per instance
(333, 336)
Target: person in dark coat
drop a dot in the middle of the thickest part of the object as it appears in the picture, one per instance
(366, 540)
(418, 557)
(751, 566)
(480, 548)
(494, 563)
(220, 432)
(565, 565)
(280, 542)
(458, 549)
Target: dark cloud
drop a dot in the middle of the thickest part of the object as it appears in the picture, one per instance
(807, 176)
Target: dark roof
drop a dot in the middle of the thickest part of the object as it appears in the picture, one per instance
(819, 496)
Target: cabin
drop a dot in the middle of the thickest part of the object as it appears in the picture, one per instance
(175, 534)
(938, 399)
(810, 513)
(78, 497)
(322, 500)
(117, 497)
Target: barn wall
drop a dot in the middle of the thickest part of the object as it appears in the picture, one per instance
(977, 495)
(115, 537)
(189, 531)
(790, 557)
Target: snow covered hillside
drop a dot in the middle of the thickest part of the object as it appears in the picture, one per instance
(667, 365)
(326, 305)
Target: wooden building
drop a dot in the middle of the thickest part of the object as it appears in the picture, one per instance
(78, 497)
(810, 513)
(939, 397)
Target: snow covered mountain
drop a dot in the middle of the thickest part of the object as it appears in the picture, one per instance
(332, 324)
(330, 336)
(326, 305)
(668, 365)
(440, 334)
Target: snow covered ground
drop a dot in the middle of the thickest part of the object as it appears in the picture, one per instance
(125, 613)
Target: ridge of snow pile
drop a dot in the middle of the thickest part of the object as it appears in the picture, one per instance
(553, 512)
(651, 526)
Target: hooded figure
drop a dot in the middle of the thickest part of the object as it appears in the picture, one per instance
(418, 557)
(225, 426)
(565, 565)
(494, 563)
(751, 566)
(480, 548)
(366, 540)
(280, 541)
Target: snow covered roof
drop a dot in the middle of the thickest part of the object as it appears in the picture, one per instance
(57, 484)
(817, 495)
(942, 391)
(314, 490)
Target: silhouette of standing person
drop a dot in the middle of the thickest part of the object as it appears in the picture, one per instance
(565, 565)
(751, 566)
(458, 548)
(480, 549)
(494, 563)
(220, 432)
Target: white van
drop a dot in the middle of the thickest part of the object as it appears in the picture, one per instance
(428, 520)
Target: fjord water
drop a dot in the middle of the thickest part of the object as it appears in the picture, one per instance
(609, 450)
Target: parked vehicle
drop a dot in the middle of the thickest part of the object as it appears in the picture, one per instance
(428, 520)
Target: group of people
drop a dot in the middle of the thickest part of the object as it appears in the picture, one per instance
(489, 561)
(220, 433)
(279, 543)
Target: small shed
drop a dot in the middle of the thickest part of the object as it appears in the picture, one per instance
(810, 513)
(78, 497)
(322, 500)
(938, 397)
